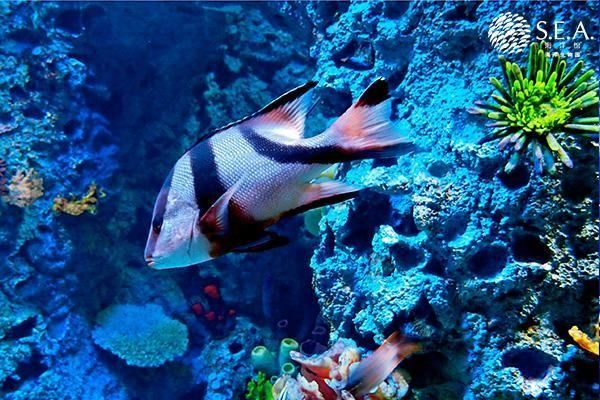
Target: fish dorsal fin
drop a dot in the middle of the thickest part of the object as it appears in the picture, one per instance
(284, 116)
(376, 93)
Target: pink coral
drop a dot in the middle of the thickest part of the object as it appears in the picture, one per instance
(24, 189)
(340, 373)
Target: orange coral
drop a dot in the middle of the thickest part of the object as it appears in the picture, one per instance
(584, 341)
(24, 189)
(74, 206)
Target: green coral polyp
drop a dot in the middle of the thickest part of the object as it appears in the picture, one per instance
(532, 110)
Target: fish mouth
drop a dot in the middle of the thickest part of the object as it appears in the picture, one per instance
(150, 262)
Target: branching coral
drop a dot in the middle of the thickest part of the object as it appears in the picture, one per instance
(24, 189)
(74, 206)
(143, 336)
(259, 388)
(538, 105)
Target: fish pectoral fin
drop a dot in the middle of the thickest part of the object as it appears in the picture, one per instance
(215, 221)
(266, 241)
(324, 193)
(283, 119)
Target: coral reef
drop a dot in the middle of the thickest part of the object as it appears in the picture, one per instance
(340, 373)
(143, 336)
(73, 206)
(445, 246)
(584, 341)
(24, 188)
(539, 104)
(259, 388)
(490, 268)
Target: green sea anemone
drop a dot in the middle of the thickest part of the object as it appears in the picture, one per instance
(537, 107)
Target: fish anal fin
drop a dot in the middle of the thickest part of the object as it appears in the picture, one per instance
(267, 241)
(324, 193)
(215, 221)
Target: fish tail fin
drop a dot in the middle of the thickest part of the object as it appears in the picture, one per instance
(365, 129)
(403, 345)
(378, 366)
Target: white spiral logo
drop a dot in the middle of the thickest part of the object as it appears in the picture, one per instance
(509, 33)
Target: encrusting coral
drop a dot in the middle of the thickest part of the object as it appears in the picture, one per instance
(584, 341)
(143, 336)
(24, 189)
(73, 206)
(538, 105)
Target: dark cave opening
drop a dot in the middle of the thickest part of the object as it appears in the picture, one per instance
(407, 256)
(531, 363)
(404, 222)
(528, 247)
(435, 267)
(488, 261)
(517, 178)
(359, 230)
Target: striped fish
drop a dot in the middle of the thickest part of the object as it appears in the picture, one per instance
(229, 187)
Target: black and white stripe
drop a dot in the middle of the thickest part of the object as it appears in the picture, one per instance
(309, 152)
(207, 185)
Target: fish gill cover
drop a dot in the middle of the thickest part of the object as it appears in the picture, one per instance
(492, 270)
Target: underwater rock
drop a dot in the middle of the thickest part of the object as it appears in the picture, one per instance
(458, 237)
(223, 365)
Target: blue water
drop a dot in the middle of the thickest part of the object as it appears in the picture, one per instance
(487, 270)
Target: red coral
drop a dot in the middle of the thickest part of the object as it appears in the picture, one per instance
(197, 309)
(210, 316)
(212, 291)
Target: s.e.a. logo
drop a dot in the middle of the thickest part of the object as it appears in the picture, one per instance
(511, 33)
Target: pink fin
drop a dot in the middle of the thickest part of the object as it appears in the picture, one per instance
(365, 129)
(321, 194)
(284, 117)
(215, 221)
(378, 366)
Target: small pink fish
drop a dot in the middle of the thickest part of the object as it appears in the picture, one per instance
(225, 191)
